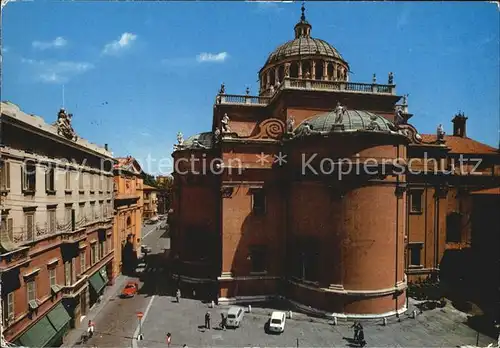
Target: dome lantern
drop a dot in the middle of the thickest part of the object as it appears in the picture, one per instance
(303, 28)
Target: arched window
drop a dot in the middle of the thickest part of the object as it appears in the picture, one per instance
(294, 70)
(129, 221)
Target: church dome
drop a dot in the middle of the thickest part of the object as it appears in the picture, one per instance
(305, 58)
(302, 46)
(199, 141)
(352, 120)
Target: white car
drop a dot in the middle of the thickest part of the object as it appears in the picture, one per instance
(277, 322)
(234, 316)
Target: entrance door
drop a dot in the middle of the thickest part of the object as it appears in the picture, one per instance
(83, 302)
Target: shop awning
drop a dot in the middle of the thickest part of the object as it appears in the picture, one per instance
(39, 335)
(59, 317)
(97, 282)
(104, 274)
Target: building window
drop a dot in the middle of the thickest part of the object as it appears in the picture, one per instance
(49, 180)
(28, 177)
(83, 262)
(258, 257)
(258, 201)
(7, 228)
(81, 211)
(415, 251)
(101, 250)
(454, 228)
(52, 276)
(5, 176)
(92, 211)
(68, 181)
(51, 220)
(29, 222)
(67, 215)
(67, 273)
(73, 270)
(8, 307)
(80, 181)
(93, 254)
(106, 246)
(416, 201)
(31, 290)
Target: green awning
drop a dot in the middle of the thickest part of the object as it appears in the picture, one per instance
(104, 274)
(59, 317)
(96, 282)
(39, 335)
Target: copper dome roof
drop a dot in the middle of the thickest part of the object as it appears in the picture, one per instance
(352, 120)
(303, 46)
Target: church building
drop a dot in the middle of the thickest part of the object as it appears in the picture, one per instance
(319, 190)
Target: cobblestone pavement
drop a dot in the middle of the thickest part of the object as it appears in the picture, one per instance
(116, 319)
(184, 320)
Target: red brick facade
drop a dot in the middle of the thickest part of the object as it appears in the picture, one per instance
(349, 245)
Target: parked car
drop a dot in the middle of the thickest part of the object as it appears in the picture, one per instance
(130, 290)
(277, 322)
(234, 316)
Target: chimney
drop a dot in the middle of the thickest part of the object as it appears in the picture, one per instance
(106, 147)
(459, 125)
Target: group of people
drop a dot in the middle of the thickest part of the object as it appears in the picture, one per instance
(222, 325)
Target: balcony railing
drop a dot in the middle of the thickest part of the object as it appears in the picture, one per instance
(310, 85)
(74, 289)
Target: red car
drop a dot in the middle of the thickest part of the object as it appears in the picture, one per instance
(130, 289)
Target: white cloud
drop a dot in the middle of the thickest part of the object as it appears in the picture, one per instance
(212, 57)
(56, 43)
(116, 46)
(269, 5)
(56, 71)
(5, 49)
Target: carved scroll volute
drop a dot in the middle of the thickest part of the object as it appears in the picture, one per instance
(272, 128)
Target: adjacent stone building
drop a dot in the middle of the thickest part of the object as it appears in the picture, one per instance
(56, 245)
(320, 190)
(128, 190)
(150, 202)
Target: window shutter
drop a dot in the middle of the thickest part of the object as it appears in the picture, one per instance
(10, 229)
(23, 178)
(7, 175)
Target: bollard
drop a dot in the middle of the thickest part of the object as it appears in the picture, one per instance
(384, 321)
(334, 320)
(399, 318)
(212, 304)
(249, 309)
(290, 314)
(414, 313)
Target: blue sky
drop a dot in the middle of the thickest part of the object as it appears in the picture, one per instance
(134, 72)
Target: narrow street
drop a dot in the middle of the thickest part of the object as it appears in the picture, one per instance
(117, 320)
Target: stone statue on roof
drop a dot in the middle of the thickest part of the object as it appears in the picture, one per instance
(399, 118)
(440, 132)
(180, 142)
(290, 123)
(339, 113)
(225, 124)
(63, 125)
(390, 80)
(222, 88)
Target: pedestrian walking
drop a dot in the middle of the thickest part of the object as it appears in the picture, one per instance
(361, 336)
(223, 322)
(169, 339)
(91, 328)
(355, 326)
(207, 320)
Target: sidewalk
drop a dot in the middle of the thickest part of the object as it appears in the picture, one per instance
(73, 337)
